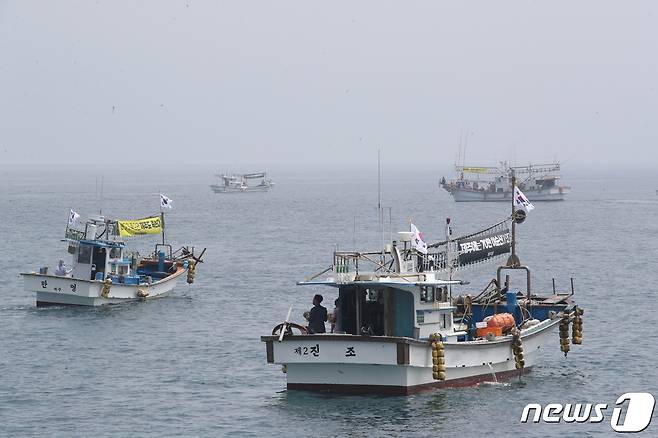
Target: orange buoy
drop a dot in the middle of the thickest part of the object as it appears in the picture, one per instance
(503, 320)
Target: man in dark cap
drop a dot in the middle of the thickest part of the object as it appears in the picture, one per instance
(317, 316)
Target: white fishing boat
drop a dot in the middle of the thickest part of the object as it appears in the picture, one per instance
(240, 183)
(103, 271)
(494, 184)
(400, 328)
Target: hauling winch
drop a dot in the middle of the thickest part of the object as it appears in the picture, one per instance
(438, 357)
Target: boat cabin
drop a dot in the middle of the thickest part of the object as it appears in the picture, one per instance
(94, 258)
(100, 259)
(413, 311)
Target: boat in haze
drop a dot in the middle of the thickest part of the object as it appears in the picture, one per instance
(479, 184)
(103, 271)
(401, 328)
(240, 183)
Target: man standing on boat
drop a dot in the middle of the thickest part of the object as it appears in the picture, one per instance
(317, 316)
(61, 269)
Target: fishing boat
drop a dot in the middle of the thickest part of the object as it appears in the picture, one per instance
(540, 182)
(400, 326)
(104, 271)
(239, 183)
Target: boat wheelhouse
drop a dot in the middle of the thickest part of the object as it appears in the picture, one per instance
(400, 327)
(103, 271)
(237, 183)
(473, 183)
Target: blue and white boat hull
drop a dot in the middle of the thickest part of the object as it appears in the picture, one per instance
(57, 290)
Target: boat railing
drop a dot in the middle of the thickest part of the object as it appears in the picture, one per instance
(505, 168)
(73, 234)
(346, 264)
(435, 261)
(348, 261)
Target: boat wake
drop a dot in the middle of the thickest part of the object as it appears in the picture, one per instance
(495, 384)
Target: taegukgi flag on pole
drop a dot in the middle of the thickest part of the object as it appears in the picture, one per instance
(165, 202)
(417, 240)
(520, 200)
(73, 217)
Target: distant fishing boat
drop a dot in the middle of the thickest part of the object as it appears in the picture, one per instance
(103, 271)
(399, 329)
(238, 183)
(480, 184)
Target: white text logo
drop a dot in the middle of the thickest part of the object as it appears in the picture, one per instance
(634, 416)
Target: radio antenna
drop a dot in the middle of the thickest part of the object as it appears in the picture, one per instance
(379, 197)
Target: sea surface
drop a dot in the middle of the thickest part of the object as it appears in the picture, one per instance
(192, 364)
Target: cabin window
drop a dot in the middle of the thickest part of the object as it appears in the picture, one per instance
(427, 294)
(115, 253)
(84, 254)
(123, 270)
(362, 311)
(373, 313)
(98, 259)
(442, 294)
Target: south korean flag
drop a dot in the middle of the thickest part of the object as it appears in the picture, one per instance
(520, 201)
(417, 240)
(165, 202)
(73, 217)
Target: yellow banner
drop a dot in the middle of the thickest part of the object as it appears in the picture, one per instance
(475, 169)
(149, 225)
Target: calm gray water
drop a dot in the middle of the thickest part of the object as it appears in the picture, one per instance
(192, 363)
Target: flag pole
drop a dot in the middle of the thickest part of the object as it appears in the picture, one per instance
(162, 225)
(513, 218)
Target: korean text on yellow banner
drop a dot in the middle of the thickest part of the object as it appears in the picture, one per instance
(149, 225)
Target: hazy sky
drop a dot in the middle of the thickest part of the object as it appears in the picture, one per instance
(312, 82)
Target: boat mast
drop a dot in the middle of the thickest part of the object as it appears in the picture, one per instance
(379, 199)
(449, 264)
(513, 216)
(513, 260)
(465, 146)
(162, 225)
